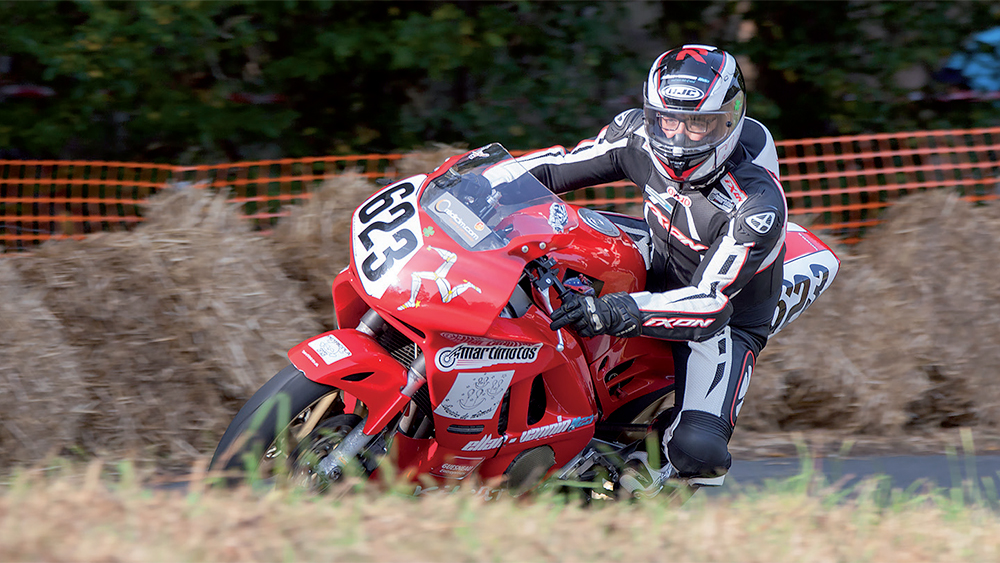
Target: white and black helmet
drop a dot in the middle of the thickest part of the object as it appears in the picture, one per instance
(694, 104)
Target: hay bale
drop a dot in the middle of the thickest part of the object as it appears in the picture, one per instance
(40, 374)
(426, 160)
(903, 339)
(314, 243)
(178, 322)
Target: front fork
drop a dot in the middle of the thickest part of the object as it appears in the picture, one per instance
(357, 442)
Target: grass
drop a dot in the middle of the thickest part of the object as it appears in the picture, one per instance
(102, 512)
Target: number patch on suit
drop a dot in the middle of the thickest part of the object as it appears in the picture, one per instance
(386, 235)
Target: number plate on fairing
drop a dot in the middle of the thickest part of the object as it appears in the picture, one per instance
(386, 235)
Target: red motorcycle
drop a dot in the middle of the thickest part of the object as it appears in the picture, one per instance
(452, 370)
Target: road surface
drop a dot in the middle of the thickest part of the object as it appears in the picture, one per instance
(913, 472)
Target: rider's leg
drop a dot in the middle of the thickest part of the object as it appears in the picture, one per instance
(712, 379)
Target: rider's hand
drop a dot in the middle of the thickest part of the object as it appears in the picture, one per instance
(616, 314)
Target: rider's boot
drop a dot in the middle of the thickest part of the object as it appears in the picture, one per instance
(641, 479)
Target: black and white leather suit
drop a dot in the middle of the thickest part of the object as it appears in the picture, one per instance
(715, 275)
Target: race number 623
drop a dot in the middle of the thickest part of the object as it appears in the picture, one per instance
(386, 231)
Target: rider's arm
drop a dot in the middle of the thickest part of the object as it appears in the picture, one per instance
(702, 309)
(593, 161)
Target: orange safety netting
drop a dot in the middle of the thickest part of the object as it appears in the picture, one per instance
(838, 185)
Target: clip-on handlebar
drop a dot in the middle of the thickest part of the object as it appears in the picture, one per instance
(543, 274)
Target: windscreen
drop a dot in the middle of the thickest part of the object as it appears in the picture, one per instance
(488, 198)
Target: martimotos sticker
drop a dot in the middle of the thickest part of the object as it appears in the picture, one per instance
(470, 356)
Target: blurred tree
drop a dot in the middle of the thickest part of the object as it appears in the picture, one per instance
(199, 81)
(206, 81)
(133, 79)
(848, 67)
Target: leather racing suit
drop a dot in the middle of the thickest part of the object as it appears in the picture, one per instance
(715, 275)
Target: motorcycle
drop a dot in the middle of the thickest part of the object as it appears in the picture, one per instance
(451, 370)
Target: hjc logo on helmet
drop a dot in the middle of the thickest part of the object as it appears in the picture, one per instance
(682, 92)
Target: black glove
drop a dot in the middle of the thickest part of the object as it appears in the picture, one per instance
(616, 313)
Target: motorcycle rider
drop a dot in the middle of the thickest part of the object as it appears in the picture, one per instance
(717, 215)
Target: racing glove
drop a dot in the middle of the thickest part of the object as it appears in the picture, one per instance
(616, 314)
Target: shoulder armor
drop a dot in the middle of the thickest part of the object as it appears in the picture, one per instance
(758, 222)
(623, 124)
(759, 143)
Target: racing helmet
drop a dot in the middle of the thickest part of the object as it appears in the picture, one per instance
(694, 105)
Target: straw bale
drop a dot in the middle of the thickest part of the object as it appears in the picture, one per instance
(178, 323)
(426, 160)
(313, 244)
(40, 373)
(904, 338)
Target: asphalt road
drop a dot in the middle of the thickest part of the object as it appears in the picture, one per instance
(907, 472)
(913, 473)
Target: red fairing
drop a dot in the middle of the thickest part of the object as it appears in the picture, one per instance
(372, 375)
(449, 301)
(619, 266)
(478, 285)
(799, 242)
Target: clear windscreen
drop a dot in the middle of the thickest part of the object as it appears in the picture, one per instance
(488, 198)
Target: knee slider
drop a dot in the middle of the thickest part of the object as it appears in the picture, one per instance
(699, 445)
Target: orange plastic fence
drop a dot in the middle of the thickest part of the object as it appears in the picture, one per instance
(839, 185)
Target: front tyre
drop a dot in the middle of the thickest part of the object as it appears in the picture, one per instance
(268, 434)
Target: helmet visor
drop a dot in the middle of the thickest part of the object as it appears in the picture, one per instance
(687, 132)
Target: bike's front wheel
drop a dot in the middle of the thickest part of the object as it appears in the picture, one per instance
(285, 428)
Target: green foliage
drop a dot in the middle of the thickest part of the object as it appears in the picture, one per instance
(207, 81)
(838, 67)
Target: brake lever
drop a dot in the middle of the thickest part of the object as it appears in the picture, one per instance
(545, 277)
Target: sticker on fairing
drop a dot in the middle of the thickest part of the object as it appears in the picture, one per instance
(477, 340)
(542, 432)
(558, 217)
(458, 467)
(445, 288)
(386, 234)
(475, 396)
(330, 349)
(471, 356)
